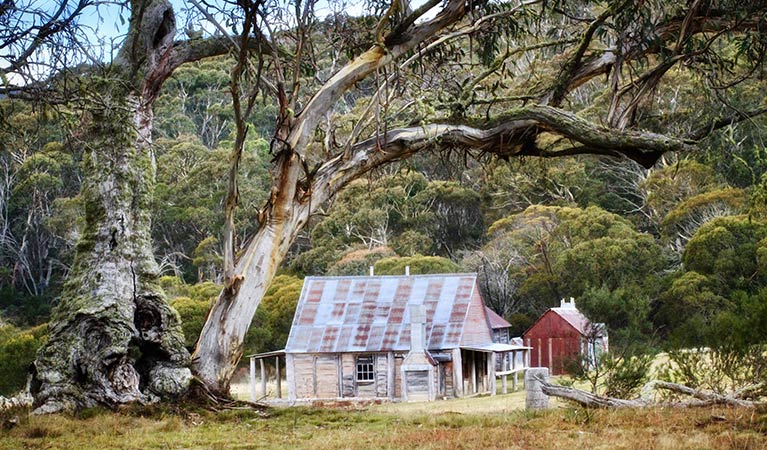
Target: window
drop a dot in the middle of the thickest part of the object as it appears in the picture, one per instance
(365, 368)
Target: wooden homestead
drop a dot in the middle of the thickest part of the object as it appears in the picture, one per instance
(562, 336)
(406, 338)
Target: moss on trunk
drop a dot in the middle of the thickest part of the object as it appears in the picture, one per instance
(113, 338)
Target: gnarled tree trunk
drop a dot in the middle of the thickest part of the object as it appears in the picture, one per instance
(113, 339)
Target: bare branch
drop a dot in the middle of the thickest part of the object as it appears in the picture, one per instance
(396, 45)
(54, 25)
(736, 117)
(475, 26)
(717, 21)
(559, 89)
(498, 63)
(514, 135)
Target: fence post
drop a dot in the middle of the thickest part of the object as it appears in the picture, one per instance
(535, 398)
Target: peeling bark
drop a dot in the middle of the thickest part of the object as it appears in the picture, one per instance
(219, 348)
(114, 339)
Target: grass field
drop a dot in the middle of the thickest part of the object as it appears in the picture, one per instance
(479, 423)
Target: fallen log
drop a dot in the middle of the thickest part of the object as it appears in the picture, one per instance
(705, 397)
(700, 398)
(588, 399)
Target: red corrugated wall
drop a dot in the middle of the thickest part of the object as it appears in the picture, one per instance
(554, 341)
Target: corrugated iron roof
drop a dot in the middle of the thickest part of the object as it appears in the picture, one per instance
(495, 320)
(371, 314)
(580, 322)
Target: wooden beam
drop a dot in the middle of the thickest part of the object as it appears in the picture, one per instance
(504, 364)
(509, 372)
(314, 376)
(551, 358)
(540, 353)
(263, 378)
(252, 379)
(390, 373)
(458, 387)
(279, 377)
(514, 368)
(290, 376)
(490, 357)
(528, 353)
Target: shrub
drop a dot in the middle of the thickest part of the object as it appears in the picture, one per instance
(192, 313)
(626, 376)
(613, 375)
(17, 353)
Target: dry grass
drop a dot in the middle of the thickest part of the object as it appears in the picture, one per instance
(499, 404)
(241, 389)
(487, 423)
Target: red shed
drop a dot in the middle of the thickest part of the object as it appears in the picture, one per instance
(563, 334)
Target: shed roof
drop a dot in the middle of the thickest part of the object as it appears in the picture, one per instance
(574, 318)
(577, 320)
(495, 320)
(372, 314)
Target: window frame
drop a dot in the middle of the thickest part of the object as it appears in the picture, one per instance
(364, 366)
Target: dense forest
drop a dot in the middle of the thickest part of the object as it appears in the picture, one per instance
(669, 253)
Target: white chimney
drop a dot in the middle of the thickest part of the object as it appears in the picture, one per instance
(372, 272)
(418, 367)
(417, 325)
(567, 304)
(407, 271)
